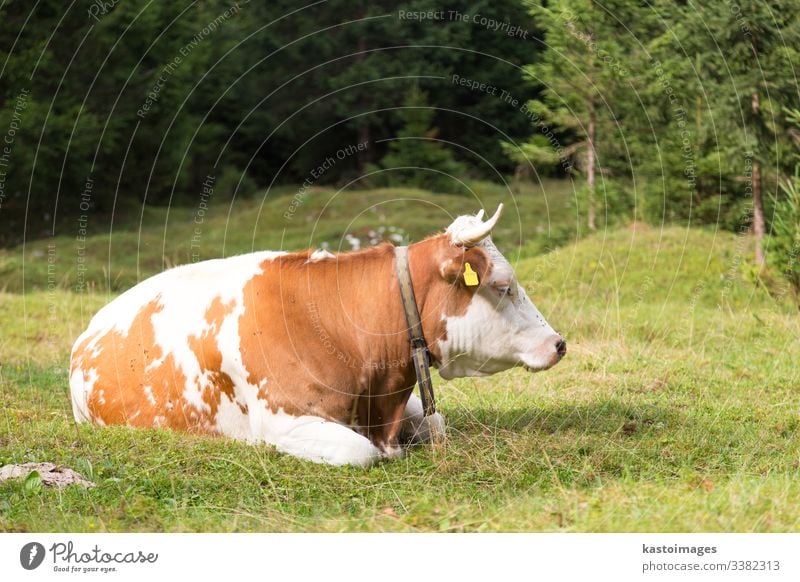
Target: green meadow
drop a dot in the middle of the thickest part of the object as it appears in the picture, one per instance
(676, 408)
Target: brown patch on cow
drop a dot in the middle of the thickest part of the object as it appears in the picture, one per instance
(300, 334)
(79, 353)
(134, 387)
(206, 350)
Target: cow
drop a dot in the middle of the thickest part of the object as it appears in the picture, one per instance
(307, 351)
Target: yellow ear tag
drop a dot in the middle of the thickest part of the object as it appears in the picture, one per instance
(470, 276)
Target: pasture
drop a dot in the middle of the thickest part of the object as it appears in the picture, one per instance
(676, 408)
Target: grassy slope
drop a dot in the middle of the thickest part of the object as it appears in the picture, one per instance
(117, 261)
(676, 409)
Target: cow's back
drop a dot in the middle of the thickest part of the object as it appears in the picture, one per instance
(166, 352)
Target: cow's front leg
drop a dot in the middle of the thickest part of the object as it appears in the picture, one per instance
(418, 428)
(323, 441)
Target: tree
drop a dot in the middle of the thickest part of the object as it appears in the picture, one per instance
(581, 73)
(746, 76)
(415, 157)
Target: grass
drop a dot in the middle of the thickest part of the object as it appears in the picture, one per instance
(676, 410)
(539, 216)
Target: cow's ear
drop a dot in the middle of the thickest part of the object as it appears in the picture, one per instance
(455, 271)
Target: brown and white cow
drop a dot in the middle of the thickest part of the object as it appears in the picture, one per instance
(307, 351)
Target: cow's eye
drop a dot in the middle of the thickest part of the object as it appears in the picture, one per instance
(505, 291)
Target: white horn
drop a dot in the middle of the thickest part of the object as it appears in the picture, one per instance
(473, 235)
(479, 216)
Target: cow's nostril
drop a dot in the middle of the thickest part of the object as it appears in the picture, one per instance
(561, 347)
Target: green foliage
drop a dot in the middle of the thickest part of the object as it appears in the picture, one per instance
(783, 246)
(233, 182)
(707, 64)
(417, 157)
(671, 88)
(583, 75)
(33, 482)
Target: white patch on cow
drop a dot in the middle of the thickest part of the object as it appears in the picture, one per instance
(223, 279)
(81, 383)
(502, 271)
(94, 350)
(319, 255)
(159, 421)
(307, 437)
(496, 334)
(148, 392)
(231, 421)
(322, 441)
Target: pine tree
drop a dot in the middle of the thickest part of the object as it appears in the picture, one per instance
(583, 75)
(746, 59)
(416, 157)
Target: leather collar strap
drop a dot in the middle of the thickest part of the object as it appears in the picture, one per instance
(419, 347)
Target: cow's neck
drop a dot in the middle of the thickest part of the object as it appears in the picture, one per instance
(358, 307)
(389, 388)
(434, 296)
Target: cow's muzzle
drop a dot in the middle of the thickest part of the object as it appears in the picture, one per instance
(550, 353)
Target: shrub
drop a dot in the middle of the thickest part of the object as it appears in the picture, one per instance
(783, 245)
(421, 160)
(233, 181)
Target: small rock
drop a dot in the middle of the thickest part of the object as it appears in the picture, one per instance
(52, 475)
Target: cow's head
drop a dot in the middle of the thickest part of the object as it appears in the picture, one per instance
(500, 327)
